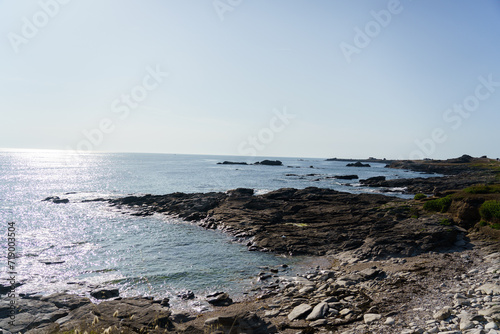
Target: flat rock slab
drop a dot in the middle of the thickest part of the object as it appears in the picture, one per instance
(319, 311)
(490, 289)
(299, 311)
(371, 317)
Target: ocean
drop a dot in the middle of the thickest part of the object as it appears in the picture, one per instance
(78, 246)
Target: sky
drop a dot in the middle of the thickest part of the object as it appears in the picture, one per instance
(327, 78)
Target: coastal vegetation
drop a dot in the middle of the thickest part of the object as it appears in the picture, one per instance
(420, 196)
(438, 205)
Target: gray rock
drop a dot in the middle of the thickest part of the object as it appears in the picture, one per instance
(443, 313)
(371, 317)
(219, 299)
(63, 300)
(318, 312)
(31, 313)
(318, 323)
(299, 311)
(244, 323)
(389, 321)
(105, 293)
(307, 289)
(466, 323)
(186, 295)
(489, 312)
(490, 289)
(181, 317)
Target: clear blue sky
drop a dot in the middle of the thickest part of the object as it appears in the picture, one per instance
(360, 78)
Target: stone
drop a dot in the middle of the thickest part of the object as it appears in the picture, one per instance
(443, 313)
(490, 311)
(389, 321)
(241, 323)
(181, 317)
(105, 293)
(219, 299)
(318, 312)
(491, 325)
(490, 289)
(466, 323)
(299, 311)
(345, 312)
(186, 295)
(65, 300)
(371, 317)
(307, 289)
(318, 323)
(271, 313)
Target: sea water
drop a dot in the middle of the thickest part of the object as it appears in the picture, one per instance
(81, 245)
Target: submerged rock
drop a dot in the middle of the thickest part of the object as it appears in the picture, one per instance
(56, 200)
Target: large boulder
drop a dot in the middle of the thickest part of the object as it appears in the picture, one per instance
(247, 322)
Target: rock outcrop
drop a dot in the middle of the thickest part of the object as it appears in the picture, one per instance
(310, 221)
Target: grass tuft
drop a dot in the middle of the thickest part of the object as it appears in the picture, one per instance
(438, 205)
(419, 196)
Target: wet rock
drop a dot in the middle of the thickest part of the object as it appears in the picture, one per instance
(105, 293)
(347, 177)
(56, 200)
(186, 295)
(219, 299)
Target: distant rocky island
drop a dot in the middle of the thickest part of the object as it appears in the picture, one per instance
(263, 163)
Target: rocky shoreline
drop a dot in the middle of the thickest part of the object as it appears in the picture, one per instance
(384, 265)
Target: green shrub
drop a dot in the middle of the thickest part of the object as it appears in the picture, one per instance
(445, 222)
(483, 189)
(438, 205)
(419, 197)
(483, 223)
(490, 211)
